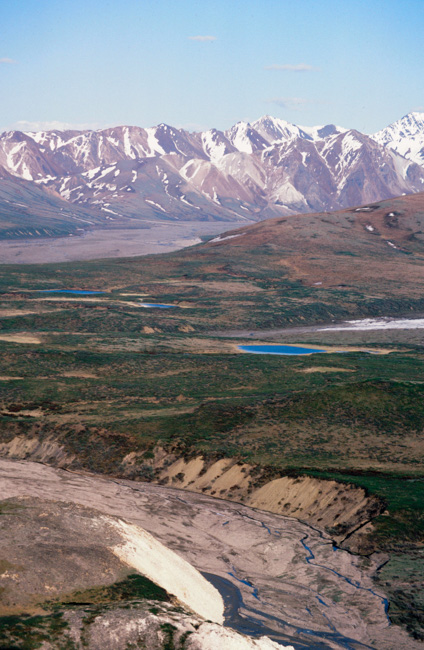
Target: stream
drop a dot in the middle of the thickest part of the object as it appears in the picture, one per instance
(311, 557)
(251, 623)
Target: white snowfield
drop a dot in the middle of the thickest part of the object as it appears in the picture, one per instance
(378, 324)
(168, 570)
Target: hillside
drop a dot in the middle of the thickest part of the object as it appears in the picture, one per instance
(28, 211)
(374, 246)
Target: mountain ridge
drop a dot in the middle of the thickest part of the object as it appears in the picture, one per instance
(405, 136)
(251, 171)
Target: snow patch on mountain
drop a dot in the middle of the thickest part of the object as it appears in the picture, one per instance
(220, 238)
(405, 136)
(245, 138)
(152, 142)
(215, 145)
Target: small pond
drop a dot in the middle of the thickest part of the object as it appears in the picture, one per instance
(151, 305)
(78, 292)
(277, 349)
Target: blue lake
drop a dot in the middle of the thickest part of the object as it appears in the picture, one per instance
(78, 292)
(277, 349)
(151, 305)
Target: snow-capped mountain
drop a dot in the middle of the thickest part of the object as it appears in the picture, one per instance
(250, 172)
(406, 136)
(273, 130)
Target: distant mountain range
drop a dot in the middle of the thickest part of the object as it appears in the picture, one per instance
(250, 172)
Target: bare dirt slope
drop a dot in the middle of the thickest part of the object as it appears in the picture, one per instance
(68, 571)
(339, 508)
(273, 569)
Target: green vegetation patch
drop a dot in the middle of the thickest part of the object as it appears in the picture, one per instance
(133, 587)
(402, 578)
(30, 632)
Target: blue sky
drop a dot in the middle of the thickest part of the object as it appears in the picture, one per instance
(88, 63)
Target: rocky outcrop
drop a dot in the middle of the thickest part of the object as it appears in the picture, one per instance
(138, 627)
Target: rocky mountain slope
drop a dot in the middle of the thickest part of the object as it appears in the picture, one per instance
(31, 210)
(406, 136)
(250, 172)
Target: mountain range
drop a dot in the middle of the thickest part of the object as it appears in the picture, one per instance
(68, 180)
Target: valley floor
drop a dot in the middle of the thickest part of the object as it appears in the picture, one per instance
(120, 242)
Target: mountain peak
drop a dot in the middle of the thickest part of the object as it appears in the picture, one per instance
(269, 119)
(244, 137)
(417, 115)
(412, 123)
(273, 129)
(405, 136)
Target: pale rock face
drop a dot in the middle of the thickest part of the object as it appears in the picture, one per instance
(168, 570)
(119, 628)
